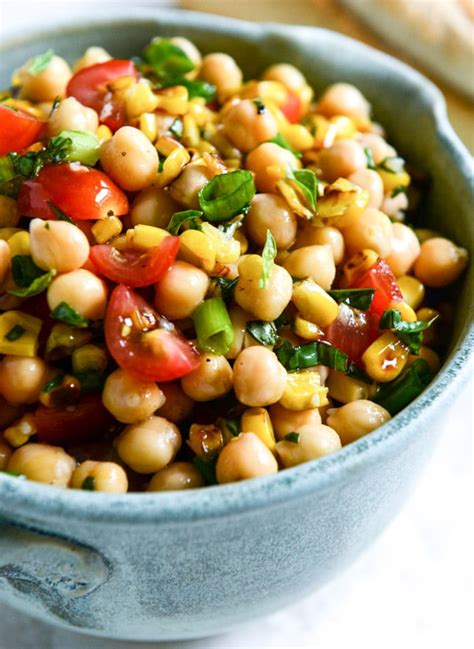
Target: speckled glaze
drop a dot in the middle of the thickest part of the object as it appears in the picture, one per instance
(190, 564)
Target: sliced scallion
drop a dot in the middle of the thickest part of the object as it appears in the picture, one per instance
(226, 195)
(84, 147)
(214, 329)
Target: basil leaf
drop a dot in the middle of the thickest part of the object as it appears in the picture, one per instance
(88, 483)
(15, 333)
(393, 165)
(206, 469)
(67, 314)
(24, 270)
(226, 195)
(370, 158)
(269, 253)
(283, 142)
(292, 437)
(225, 286)
(36, 287)
(195, 88)
(59, 214)
(397, 394)
(307, 182)
(30, 164)
(410, 333)
(357, 298)
(264, 332)
(310, 355)
(179, 218)
(167, 59)
(40, 62)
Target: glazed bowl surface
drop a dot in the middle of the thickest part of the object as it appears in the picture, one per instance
(188, 564)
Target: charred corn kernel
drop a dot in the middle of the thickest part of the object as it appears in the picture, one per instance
(206, 440)
(103, 133)
(227, 249)
(172, 166)
(191, 136)
(198, 249)
(344, 127)
(433, 335)
(306, 329)
(7, 233)
(359, 264)
(303, 391)
(341, 200)
(257, 421)
(19, 333)
(89, 358)
(428, 355)
(298, 136)
(405, 310)
(140, 99)
(385, 358)
(314, 304)
(21, 431)
(286, 189)
(173, 100)
(9, 215)
(122, 83)
(423, 234)
(393, 180)
(345, 389)
(20, 243)
(412, 290)
(166, 145)
(62, 393)
(106, 229)
(64, 339)
(147, 125)
(266, 91)
(242, 239)
(144, 236)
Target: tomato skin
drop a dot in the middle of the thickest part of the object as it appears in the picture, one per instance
(88, 420)
(81, 192)
(383, 280)
(353, 331)
(89, 86)
(292, 108)
(174, 358)
(133, 268)
(18, 130)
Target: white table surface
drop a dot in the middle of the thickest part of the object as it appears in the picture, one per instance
(412, 588)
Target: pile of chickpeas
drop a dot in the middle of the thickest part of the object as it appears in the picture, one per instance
(160, 429)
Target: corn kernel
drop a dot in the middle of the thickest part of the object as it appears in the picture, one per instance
(147, 125)
(344, 127)
(385, 358)
(89, 358)
(7, 233)
(122, 83)
(228, 249)
(257, 421)
(405, 310)
(345, 388)
(173, 100)
(428, 355)
(166, 145)
(64, 393)
(433, 335)
(28, 328)
(103, 133)
(393, 180)
(242, 239)
(172, 166)
(191, 136)
(412, 290)
(21, 431)
(198, 111)
(306, 329)
(291, 193)
(9, 215)
(140, 99)
(20, 243)
(298, 136)
(359, 264)
(314, 303)
(267, 91)
(342, 202)
(304, 391)
(105, 229)
(145, 237)
(206, 440)
(198, 249)
(64, 339)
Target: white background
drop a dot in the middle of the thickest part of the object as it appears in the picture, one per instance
(412, 588)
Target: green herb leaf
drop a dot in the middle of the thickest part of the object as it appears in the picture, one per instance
(194, 87)
(283, 142)
(370, 158)
(88, 483)
(84, 146)
(233, 426)
(213, 325)
(292, 437)
(226, 195)
(90, 381)
(310, 355)
(269, 253)
(24, 273)
(264, 332)
(393, 165)
(30, 164)
(14, 474)
(410, 333)
(167, 59)
(57, 380)
(176, 128)
(307, 182)
(15, 333)
(357, 298)
(67, 314)
(24, 270)
(9, 181)
(401, 189)
(59, 214)
(179, 218)
(397, 394)
(40, 62)
(206, 469)
(225, 286)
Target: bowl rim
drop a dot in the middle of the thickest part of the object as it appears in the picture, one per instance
(35, 499)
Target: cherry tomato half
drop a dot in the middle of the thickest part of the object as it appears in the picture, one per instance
(292, 108)
(144, 343)
(135, 268)
(383, 280)
(79, 191)
(352, 331)
(89, 86)
(18, 130)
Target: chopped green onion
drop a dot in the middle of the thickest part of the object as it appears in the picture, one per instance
(393, 165)
(179, 218)
(283, 142)
(84, 147)
(226, 195)
(401, 189)
(292, 437)
(176, 128)
(59, 214)
(264, 332)
(357, 298)
(166, 59)
(214, 329)
(410, 333)
(57, 380)
(40, 62)
(67, 314)
(226, 287)
(15, 333)
(370, 158)
(307, 182)
(397, 394)
(269, 253)
(88, 483)
(206, 469)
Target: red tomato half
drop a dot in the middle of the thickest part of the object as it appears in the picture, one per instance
(352, 331)
(292, 108)
(88, 420)
(383, 280)
(89, 86)
(17, 130)
(155, 352)
(135, 268)
(79, 191)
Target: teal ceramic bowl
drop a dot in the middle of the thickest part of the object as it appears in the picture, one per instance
(184, 565)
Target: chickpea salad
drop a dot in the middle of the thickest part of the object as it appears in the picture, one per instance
(203, 279)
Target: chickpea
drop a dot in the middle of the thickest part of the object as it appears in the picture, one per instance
(356, 419)
(247, 125)
(373, 230)
(21, 378)
(316, 262)
(369, 180)
(181, 290)
(187, 186)
(48, 84)
(82, 290)
(313, 442)
(211, 380)
(264, 303)
(405, 249)
(91, 56)
(71, 115)
(43, 463)
(286, 74)
(149, 446)
(106, 476)
(130, 159)
(271, 212)
(292, 421)
(243, 458)
(379, 148)
(270, 162)
(130, 400)
(223, 72)
(153, 206)
(440, 262)
(178, 406)
(308, 235)
(5, 259)
(5, 453)
(259, 377)
(344, 99)
(58, 244)
(395, 206)
(179, 475)
(342, 159)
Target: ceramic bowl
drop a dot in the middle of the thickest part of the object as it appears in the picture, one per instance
(184, 565)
